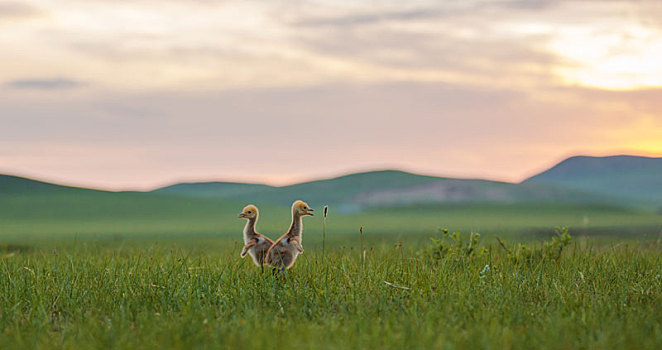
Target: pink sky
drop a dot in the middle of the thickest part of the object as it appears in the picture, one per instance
(134, 95)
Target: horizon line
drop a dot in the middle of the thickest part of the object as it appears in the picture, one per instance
(310, 179)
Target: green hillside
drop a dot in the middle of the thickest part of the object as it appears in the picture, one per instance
(346, 190)
(69, 212)
(64, 212)
(387, 188)
(19, 185)
(629, 177)
(213, 189)
(33, 208)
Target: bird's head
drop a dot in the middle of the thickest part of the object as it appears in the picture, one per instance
(249, 212)
(302, 208)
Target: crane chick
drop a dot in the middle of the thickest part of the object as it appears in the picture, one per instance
(285, 250)
(255, 244)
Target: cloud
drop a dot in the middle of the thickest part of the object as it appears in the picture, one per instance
(466, 88)
(434, 11)
(381, 12)
(371, 17)
(436, 128)
(527, 4)
(43, 84)
(284, 44)
(11, 9)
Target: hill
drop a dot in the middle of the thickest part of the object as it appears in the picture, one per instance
(632, 178)
(213, 189)
(31, 208)
(10, 184)
(394, 202)
(385, 188)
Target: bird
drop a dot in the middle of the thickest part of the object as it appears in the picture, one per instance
(255, 244)
(285, 250)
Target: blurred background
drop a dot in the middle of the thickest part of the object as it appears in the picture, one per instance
(161, 119)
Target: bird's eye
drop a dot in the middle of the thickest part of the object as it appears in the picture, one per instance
(248, 212)
(305, 208)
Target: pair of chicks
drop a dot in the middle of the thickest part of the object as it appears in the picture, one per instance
(282, 253)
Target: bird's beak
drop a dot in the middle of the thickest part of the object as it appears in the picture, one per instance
(309, 212)
(241, 215)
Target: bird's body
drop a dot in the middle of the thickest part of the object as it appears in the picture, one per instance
(255, 244)
(283, 253)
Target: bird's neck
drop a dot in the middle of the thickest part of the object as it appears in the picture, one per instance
(249, 229)
(296, 227)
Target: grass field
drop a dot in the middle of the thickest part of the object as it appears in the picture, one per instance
(42, 217)
(152, 271)
(200, 294)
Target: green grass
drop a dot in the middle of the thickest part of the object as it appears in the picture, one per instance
(135, 270)
(42, 217)
(199, 293)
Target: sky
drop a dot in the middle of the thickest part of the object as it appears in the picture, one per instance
(137, 94)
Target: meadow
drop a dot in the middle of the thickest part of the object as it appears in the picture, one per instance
(202, 295)
(157, 271)
(39, 218)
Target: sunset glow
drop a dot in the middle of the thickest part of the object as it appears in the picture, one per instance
(136, 94)
(626, 59)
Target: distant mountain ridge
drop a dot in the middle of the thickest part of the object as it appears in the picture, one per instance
(10, 184)
(623, 176)
(619, 180)
(385, 188)
(212, 189)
